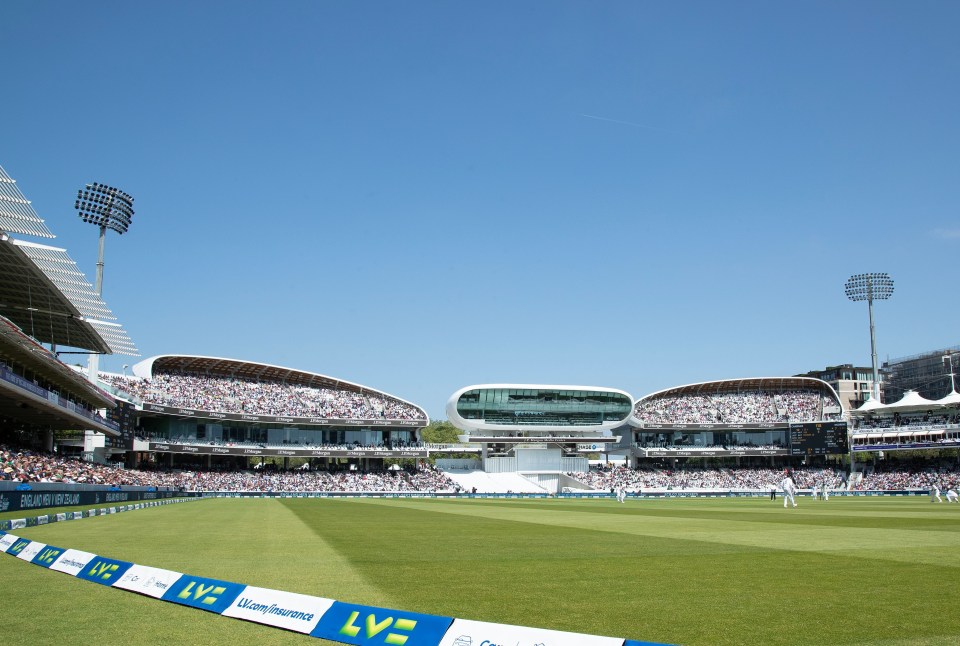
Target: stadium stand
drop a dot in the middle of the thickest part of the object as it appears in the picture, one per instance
(22, 465)
(37, 391)
(916, 473)
(907, 430)
(703, 478)
(33, 466)
(252, 397)
(735, 408)
(919, 475)
(27, 466)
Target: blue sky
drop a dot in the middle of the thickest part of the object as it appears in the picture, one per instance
(420, 196)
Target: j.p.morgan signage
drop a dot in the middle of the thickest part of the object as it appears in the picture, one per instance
(710, 453)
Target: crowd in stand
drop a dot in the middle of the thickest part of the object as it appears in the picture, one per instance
(735, 408)
(32, 466)
(703, 478)
(911, 474)
(245, 396)
(908, 479)
(424, 479)
(916, 477)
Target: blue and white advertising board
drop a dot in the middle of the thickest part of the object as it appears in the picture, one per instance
(465, 632)
(370, 626)
(297, 612)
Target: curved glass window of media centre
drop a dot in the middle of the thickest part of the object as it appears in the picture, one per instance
(538, 407)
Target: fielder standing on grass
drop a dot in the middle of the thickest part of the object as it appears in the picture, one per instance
(789, 489)
(952, 495)
(935, 493)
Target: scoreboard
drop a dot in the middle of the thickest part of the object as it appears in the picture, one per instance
(124, 415)
(818, 438)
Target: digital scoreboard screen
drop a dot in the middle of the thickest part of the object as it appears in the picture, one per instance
(124, 415)
(818, 438)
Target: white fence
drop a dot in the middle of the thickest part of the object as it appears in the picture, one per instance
(526, 463)
(458, 464)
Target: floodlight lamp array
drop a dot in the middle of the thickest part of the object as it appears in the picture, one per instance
(869, 287)
(105, 206)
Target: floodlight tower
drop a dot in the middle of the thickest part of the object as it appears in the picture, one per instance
(108, 208)
(870, 287)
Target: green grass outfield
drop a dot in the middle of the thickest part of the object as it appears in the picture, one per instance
(882, 571)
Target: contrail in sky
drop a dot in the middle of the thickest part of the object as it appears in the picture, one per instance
(628, 123)
(947, 234)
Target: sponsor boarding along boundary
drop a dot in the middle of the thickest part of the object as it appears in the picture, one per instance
(315, 616)
(44, 519)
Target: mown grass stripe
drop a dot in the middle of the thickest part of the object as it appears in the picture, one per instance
(265, 538)
(804, 533)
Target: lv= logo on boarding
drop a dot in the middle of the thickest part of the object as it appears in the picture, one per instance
(370, 626)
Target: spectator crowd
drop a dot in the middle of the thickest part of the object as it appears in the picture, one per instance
(703, 478)
(920, 476)
(245, 396)
(910, 474)
(32, 466)
(423, 479)
(736, 408)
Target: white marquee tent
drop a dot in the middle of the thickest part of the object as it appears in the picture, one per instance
(911, 401)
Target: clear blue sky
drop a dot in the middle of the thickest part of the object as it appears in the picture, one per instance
(419, 196)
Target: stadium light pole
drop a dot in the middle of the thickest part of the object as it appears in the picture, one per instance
(867, 287)
(108, 208)
(870, 287)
